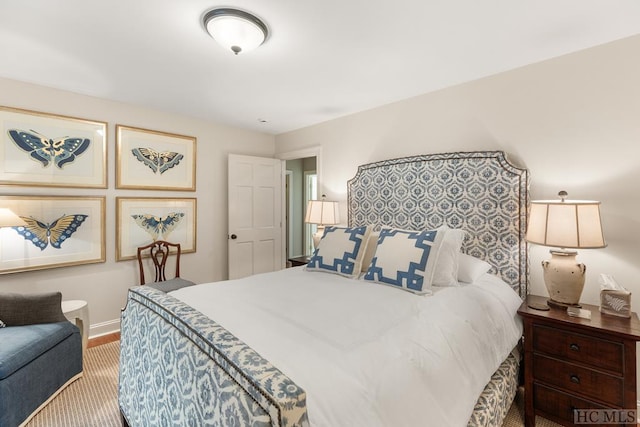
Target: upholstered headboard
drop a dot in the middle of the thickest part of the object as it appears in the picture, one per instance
(480, 192)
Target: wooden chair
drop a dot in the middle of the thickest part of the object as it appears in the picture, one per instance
(159, 252)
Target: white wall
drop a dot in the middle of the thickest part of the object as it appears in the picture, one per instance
(104, 285)
(573, 121)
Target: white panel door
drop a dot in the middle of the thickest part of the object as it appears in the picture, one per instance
(255, 215)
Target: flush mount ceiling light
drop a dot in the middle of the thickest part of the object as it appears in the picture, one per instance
(235, 29)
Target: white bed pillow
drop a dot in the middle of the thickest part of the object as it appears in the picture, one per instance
(471, 268)
(340, 251)
(446, 272)
(406, 259)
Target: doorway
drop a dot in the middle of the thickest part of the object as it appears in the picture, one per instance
(302, 186)
(302, 183)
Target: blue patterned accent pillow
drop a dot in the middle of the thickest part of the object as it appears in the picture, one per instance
(406, 259)
(340, 251)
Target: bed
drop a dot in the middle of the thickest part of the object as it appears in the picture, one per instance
(311, 346)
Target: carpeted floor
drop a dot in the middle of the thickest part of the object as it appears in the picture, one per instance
(92, 401)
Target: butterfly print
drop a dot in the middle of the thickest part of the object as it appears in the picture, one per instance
(157, 225)
(45, 150)
(55, 233)
(158, 161)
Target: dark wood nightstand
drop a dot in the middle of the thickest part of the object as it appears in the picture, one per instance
(301, 260)
(574, 363)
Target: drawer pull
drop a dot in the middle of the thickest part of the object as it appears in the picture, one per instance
(575, 379)
(574, 347)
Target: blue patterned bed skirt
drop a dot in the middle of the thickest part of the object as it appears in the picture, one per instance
(495, 400)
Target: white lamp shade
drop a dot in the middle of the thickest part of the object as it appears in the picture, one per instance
(566, 224)
(9, 219)
(235, 30)
(322, 212)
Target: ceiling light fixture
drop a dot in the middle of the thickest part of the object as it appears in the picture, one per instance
(235, 29)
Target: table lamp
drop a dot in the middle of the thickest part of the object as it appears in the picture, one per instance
(321, 212)
(573, 224)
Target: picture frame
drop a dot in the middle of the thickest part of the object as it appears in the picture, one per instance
(142, 220)
(59, 231)
(153, 160)
(43, 149)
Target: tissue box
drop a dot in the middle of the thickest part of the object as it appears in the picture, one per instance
(617, 303)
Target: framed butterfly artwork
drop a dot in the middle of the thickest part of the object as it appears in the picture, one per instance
(55, 231)
(42, 149)
(153, 160)
(140, 221)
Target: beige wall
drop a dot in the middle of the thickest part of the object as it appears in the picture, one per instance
(104, 285)
(573, 121)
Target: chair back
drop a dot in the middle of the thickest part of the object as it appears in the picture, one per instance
(159, 252)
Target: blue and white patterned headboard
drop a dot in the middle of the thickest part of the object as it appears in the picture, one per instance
(480, 192)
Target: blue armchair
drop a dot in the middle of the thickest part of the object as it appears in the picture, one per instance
(40, 354)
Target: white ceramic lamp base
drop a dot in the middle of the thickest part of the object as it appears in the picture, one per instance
(564, 278)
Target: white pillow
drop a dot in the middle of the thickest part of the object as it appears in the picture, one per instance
(471, 268)
(446, 272)
(406, 259)
(340, 251)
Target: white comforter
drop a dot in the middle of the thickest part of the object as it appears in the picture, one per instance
(366, 354)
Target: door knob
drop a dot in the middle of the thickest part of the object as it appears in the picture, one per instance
(234, 237)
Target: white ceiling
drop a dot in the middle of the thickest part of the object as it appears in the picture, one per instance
(323, 59)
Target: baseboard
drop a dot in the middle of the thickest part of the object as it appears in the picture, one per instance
(104, 328)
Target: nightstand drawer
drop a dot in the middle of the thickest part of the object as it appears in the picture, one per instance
(589, 350)
(572, 378)
(554, 403)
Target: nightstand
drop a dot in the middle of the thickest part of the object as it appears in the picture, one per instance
(574, 363)
(297, 261)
